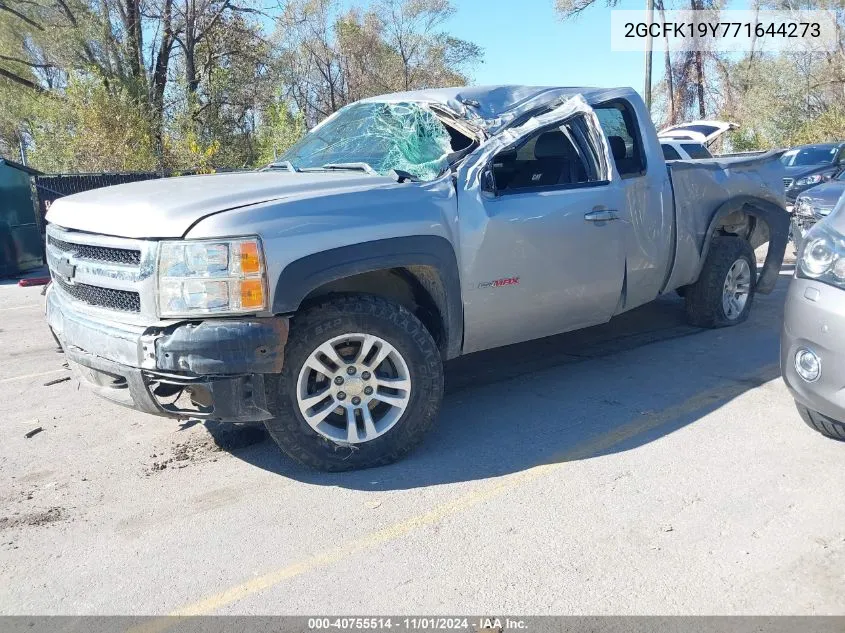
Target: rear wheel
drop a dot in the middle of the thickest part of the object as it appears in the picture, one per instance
(826, 426)
(725, 288)
(361, 386)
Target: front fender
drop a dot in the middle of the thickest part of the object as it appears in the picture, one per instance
(302, 276)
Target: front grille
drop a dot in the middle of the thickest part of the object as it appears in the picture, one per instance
(787, 182)
(98, 253)
(123, 300)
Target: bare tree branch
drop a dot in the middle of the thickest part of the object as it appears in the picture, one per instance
(21, 16)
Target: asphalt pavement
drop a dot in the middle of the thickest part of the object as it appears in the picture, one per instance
(640, 467)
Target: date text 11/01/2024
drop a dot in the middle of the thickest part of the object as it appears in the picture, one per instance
(418, 623)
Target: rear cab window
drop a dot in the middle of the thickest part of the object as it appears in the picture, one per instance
(619, 124)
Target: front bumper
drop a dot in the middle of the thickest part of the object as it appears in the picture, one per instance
(814, 318)
(791, 194)
(211, 369)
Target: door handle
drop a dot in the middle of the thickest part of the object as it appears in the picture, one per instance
(601, 215)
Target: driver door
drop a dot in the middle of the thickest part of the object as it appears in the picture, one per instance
(542, 219)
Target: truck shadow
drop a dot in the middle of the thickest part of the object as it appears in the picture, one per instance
(579, 395)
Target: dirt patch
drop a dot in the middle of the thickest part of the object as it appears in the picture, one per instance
(207, 447)
(34, 519)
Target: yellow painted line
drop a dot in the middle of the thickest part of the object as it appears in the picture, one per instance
(26, 376)
(495, 488)
(29, 305)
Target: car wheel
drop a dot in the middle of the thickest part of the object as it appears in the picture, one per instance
(725, 288)
(826, 426)
(361, 385)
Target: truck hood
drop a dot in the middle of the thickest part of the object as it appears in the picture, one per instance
(799, 171)
(169, 207)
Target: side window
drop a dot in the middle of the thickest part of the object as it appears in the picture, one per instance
(619, 123)
(669, 153)
(552, 157)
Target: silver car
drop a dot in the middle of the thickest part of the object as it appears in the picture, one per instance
(814, 205)
(813, 339)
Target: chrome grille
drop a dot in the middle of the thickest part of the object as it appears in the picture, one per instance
(105, 272)
(109, 298)
(98, 253)
(787, 182)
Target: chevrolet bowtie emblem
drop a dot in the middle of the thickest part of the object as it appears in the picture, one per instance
(64, 268)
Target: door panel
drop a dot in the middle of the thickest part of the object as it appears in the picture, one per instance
(540, 261)
(542, 268)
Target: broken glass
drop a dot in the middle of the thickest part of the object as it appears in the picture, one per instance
(406, 137)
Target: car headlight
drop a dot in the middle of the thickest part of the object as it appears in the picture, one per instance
(822, 256)
(809, 180)
(804, 207)
(214, 277)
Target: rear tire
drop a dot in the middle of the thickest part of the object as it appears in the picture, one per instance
(349, 431)
(715, 300)
(821, 423)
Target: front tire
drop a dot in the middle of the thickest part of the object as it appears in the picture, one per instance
(725, 288)
(361, 385)
(818, 422)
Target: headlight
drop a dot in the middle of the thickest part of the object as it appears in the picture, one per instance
(211, 277)
(809, 180)
(803, 207)
(823, 256)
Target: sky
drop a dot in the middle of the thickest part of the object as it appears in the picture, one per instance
(525, 42)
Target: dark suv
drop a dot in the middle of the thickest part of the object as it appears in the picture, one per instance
(809, 165)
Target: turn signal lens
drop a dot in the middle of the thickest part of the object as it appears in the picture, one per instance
(252, 294)
(250, 258)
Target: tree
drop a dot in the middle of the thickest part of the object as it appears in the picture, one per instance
(200, 82)
(280, 129)
(92, 129)
(330, 58)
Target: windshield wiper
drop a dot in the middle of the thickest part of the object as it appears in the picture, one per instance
(352, 167)
(282, 164)
(397, 174)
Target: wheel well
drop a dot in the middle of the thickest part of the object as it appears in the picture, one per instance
(746, 223)
(417, 288)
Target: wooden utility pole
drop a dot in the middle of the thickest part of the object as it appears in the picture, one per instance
(649, 7)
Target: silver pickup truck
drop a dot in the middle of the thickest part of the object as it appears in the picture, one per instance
(323, 294)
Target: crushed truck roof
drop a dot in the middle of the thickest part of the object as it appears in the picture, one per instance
(493, 107)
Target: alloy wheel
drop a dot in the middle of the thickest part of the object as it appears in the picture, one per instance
(353, 388)
(737, 289)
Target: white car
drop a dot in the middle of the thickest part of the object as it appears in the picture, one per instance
(683, 150)
(689, 141)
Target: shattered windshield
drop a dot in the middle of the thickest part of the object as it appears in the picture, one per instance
(405, 137)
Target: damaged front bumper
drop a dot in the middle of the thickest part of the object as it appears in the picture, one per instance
(800, 225)
(211, 369)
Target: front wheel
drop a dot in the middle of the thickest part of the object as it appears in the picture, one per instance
(361, 385)
(725, 288)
